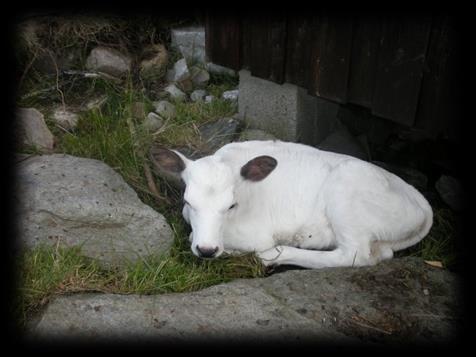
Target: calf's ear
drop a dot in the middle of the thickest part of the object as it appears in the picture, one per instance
(258, 168)
(168, 164)
(167, 160)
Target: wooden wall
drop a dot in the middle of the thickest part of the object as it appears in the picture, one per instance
(399, 67)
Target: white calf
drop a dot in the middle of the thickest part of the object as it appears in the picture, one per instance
(294, 204)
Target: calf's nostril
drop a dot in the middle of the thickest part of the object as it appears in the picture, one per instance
(207, 252)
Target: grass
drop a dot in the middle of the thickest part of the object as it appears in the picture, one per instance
(111, 135)
(47, 271)
(440, 243)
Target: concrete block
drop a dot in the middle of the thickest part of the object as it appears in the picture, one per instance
(191, 43)
(268, 106)
(286, 111)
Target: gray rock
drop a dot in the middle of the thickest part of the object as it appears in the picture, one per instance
(165, 109)
(181, 71)
(218, 133)
(400, 300)
(170, 75)
(451, 191)
(75, 201)
(186, 85)
(199, 76)
(175, 93)
(255, 134)
(32, 129)
(109, 61)
(65, 118)
(198, 95)
(153, 122)
(217, 69)
(231, 95)
(209, 98)
(190, 41)
(412, 176)
(342, 142)
(154, 62)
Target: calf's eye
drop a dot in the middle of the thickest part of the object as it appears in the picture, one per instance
(233, 206)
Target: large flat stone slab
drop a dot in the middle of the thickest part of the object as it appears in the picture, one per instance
(397, 300)
(75, 201)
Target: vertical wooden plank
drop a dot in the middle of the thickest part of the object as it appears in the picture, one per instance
(264, 46)
(246, 40)
(331, 57)
(277, 42)
(403, 46)
(316, 28)
(223, 40)
(436, 109)
(298, 50)
(258, 59)
(365, 45)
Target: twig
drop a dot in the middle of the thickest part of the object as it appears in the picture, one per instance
(32, 94)
(148, 174)
(160, 198)
(27, 69)
(151, 184)
(57, 81)
(358, 320)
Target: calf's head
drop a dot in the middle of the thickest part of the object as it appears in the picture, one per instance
(209, 195)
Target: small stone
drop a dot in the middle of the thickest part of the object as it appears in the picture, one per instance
(33, 130)
(426, 292)
(343, 142)
(199, 76)
(186, 85)
(231, 95)
(175, 93)
(198, 95)
(170, 75)
(217, 69)
(153, 122)
(181, 71)
(209, 98)
(109, 61)
(65, 118)
(165, 109)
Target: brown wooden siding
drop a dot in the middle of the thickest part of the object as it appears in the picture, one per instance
(398, 67)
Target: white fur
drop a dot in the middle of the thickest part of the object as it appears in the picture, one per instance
(315, 209)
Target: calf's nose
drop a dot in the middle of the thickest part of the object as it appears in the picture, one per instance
(206, 252)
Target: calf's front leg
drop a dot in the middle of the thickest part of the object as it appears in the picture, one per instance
(313, 259)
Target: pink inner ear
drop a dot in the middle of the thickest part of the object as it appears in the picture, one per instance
(254, 173)
(258, 168)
